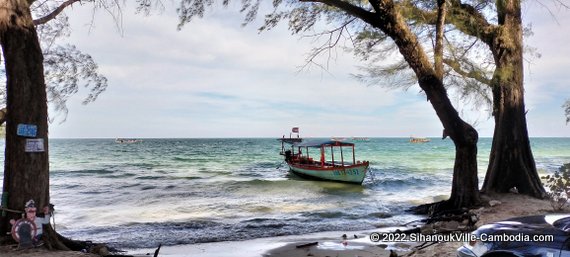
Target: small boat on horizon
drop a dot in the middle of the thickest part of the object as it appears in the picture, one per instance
(360, 139)
(419, 140)
(338, 138)
(326, 167)
(127, 140)
(350, 139)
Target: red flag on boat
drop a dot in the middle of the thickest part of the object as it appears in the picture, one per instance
(295, 130)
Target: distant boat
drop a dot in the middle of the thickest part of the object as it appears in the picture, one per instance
(290, 139)
(360, 139)
(350, 139)
(419, 140)
(127, 140)
(326, 167)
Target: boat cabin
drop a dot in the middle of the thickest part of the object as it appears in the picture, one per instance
(324, 153)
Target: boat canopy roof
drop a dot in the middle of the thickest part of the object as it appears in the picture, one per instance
(319, 143)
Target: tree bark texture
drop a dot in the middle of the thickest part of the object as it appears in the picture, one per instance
(439, 28)
(26, 175)
(511, 162)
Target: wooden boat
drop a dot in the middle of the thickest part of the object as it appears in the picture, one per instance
(360, 139)
(127, 140)
(338, 138)
(419, 140)
(332, 163)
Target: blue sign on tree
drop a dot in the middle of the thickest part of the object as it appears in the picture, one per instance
(27, 130)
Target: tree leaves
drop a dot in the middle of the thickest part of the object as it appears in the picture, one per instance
(66, 68)
(559, 186)
(193, 8)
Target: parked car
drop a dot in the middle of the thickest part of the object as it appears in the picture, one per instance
(543, 235)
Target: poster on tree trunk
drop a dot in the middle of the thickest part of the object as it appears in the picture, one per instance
(27, 130)
(35, 145)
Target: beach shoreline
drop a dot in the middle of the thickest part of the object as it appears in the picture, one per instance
(357, 243)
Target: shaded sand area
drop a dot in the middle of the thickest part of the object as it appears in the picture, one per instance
(327, 243)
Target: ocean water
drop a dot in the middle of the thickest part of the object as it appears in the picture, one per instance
(183, 191)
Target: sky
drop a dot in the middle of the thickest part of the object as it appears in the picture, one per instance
(217, 79)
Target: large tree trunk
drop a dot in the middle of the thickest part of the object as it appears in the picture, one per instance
(511, 163)
(26, 174)
(465, 185)
(464, 190)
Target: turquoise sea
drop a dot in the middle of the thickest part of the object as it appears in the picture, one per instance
(182, 191)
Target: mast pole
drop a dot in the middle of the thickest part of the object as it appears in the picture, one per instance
(341, 156)
(332, 154)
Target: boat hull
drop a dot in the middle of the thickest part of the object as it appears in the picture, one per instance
(348, 174)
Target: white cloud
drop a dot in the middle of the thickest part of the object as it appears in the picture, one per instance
(215, 78)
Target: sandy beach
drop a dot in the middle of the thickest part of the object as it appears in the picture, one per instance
(322, 244)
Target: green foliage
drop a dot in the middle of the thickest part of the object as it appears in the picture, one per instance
(559, 186)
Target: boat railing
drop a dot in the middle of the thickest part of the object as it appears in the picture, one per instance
(340, 164)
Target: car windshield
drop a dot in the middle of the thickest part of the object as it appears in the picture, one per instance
(562, 224)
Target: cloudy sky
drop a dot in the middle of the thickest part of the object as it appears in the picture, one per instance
(215, 78)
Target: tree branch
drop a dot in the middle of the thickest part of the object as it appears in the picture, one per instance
(351, 9)
(387, 19)
(330, 44)
(464, 17)
(471, 22)
(54, 13)
(438, 55)
(471, 73)
(410, 11)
